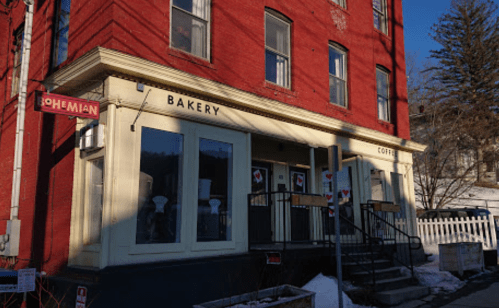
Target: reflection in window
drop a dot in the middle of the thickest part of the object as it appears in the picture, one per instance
(379, 14)
(189, 26)
(95, 198)
(382, 91)
(398, 193)
(160, 187)
(61, 33)
(18, 59)
(214, 191)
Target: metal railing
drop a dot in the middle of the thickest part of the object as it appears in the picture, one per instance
(385, 230)
(275, 223)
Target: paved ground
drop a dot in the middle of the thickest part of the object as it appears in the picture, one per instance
(479, 292)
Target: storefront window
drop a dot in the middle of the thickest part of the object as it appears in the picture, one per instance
(214, 191)
(160, 187)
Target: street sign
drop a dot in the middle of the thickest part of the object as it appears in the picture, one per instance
(26, 280)
(81, 297)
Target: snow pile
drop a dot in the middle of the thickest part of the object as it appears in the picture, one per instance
(326, 292)
(439, 281)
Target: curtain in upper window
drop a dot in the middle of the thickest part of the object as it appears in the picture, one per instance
(18, 59)
(277, 50)
(190, 26)
(337, 76)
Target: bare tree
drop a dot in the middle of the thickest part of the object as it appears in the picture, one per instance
(440, 173)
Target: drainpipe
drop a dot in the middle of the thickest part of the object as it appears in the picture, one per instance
(9, 242)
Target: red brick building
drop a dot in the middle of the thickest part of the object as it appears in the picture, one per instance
(226, 98)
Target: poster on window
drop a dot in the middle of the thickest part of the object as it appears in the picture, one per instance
(331, 211)
(299, 180)
(345, 192)
(327, 177)
(329, 197)
(258, 176)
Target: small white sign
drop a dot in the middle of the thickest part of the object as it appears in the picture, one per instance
(8, 288)
(329, 197)
(327, 177)
(26, 280)
(81, 297)
(258, 176)
(299, 180)
(345, 192)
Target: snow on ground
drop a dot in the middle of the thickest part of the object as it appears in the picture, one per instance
(326, 292)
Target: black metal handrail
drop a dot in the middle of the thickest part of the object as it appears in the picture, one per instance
(375, 222)
(355, 245)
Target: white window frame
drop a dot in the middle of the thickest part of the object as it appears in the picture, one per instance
(341, 3)
(382, 16)
(208, 28)
(287, 74)
(387, 107)
(87, 220)
(344, 78)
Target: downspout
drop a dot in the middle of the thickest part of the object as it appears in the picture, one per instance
(9, 245)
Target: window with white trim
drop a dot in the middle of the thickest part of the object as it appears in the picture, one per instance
(60, 51)
(94, 201)
(383, 96)
(18, 59)
(337, 75)
(341, 3)
(277, 50)
(379, 14)
(190, 26)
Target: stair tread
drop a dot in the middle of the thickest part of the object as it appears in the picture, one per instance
(378, 271)
(403, 290)
(389, 280)
(367, 262)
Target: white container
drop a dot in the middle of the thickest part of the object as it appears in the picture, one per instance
(460, 256)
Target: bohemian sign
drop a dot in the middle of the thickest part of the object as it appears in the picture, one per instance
(55, 103)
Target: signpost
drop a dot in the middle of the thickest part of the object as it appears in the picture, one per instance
(334, 164)
(26, 280)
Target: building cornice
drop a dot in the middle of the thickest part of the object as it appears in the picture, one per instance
(100, 61)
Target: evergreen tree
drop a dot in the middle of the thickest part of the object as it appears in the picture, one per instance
(468, 70)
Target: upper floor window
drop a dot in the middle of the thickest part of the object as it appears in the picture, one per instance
(382, 89)
(379, 11)
(18, 58)
(337, 75)
(277, 51)
(340, 3)
(190, 24)
(61, 32)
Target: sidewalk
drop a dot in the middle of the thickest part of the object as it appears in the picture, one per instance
(479, 292)
(486, 298)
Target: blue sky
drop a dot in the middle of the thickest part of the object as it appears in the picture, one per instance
(419, 16)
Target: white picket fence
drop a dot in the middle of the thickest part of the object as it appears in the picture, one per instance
(455, 230)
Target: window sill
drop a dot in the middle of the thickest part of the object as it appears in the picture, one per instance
(336, 5)
(274, 87)
(385, 123)
(191, 58)
(338, 108)
(383, 34)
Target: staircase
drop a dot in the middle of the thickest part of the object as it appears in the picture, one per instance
(381, 263)
(377, 272)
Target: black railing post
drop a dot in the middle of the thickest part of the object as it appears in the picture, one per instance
(284, 218)
(249, 222)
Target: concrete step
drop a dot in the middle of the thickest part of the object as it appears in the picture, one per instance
(392, 283)
(386, 273)
(398, 296)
